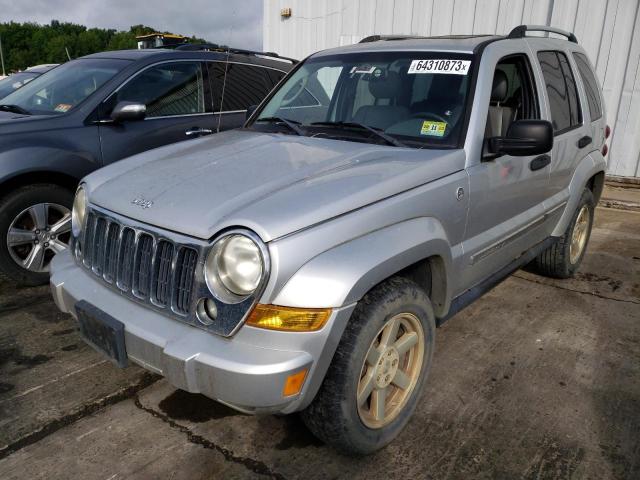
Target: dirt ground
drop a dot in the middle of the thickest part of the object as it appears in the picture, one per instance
(540, 379)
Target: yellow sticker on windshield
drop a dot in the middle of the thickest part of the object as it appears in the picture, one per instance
(63, 107)
(434, 129)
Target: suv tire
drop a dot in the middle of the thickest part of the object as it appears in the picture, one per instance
(563, 258)
(12, 212)
(360, 364)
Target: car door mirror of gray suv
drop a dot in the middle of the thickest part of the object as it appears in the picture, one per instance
(524, 137)
(128, 111)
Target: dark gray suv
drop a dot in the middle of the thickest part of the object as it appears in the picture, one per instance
(101, 108)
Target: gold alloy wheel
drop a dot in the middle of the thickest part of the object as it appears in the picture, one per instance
(579, 235)
(391, 370)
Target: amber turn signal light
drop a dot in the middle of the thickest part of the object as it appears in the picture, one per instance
(293, 383)
(273, 317)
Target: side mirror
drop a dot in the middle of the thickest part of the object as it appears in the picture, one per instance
(250, 111)
(524, 137)
(128, 111)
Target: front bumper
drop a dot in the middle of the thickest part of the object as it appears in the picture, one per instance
(247, 371)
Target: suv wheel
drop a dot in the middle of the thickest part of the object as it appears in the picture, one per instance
(35, 224)
(378, 371)
(562, 259)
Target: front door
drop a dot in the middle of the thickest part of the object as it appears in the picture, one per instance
(506, 212)
(179, 107)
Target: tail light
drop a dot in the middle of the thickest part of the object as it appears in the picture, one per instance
(607, 134)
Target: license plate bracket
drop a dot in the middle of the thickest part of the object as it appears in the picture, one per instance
(102, 332)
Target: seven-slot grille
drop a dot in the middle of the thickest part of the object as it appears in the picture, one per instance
(140, 263)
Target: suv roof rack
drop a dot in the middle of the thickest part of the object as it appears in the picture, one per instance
(521, 31)
(212, 47)
(376, 38)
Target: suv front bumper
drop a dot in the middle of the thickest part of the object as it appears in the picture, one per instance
(247, 371)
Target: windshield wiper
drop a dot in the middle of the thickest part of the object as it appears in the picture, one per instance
(292, 124)
(387, 138)
(15, 109)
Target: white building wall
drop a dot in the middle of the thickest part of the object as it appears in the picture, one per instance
(608, 29)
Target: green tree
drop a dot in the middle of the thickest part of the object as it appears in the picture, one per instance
(28, 44)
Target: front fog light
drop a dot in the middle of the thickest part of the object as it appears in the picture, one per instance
(234, 267)
(79, 212)
(206, 311)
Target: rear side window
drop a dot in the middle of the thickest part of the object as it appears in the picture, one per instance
(561, 90)
(246, 85)
(590, 85)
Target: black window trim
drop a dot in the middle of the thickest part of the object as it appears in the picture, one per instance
(598, 90)
(580, 109)
(205, 73)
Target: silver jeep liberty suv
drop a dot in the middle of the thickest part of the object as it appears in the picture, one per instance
(303, 263)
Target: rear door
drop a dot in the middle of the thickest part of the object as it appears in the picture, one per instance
(179, 107)
(572, 139)
(595, 120)
(238, 86)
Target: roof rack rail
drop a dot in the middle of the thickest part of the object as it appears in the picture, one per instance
(521, 31)
(375, 38)
(212, 47)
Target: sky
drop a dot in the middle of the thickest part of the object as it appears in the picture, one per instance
(237, 23)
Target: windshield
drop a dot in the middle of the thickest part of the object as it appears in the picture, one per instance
(63, 88)
(15, 81)
(413, 99)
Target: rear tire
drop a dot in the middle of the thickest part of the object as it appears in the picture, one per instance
(57, 202)
(388, 342)
(563, 258)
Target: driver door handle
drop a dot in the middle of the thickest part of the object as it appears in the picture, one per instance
(198, 131)
(539, 162)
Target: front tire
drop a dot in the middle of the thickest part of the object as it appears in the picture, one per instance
(378, 371)
(35, 224)
(563, 258)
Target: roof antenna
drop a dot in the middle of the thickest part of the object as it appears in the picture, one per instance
(226, 68)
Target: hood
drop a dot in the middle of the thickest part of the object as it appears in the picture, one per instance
(274, 184)
(9, 116)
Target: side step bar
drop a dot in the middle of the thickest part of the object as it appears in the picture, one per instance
(467, 298)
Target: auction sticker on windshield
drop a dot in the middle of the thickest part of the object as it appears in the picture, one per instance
(450, 67)
(433, 129)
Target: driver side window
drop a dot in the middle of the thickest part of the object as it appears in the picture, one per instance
(513, 95)
(168, 89)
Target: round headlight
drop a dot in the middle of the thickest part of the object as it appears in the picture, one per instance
(235, 262)
(79, 211)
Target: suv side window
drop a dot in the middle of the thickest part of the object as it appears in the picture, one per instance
(246, 85)
(561, 90)
(168, 89)
(590, 85)
(518, 101)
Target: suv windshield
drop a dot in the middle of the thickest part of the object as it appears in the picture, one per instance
(415, 99)
(64, 87)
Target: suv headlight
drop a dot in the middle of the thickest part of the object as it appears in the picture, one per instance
(235, 266)
(79, 211)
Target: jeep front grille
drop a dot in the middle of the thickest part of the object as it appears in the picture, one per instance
(139, 263)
